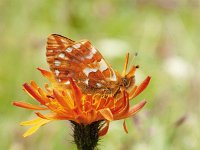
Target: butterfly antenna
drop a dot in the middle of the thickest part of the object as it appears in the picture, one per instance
(133, 68)
(125, 65)
(134, 57)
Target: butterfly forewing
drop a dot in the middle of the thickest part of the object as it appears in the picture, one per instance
(79, 60)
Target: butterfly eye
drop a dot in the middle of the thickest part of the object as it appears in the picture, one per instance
(125, 82)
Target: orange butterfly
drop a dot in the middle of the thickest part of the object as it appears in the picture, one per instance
(84, 63)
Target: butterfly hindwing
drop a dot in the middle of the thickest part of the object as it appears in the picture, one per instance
(79, 60)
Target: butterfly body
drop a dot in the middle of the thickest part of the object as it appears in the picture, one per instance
(84, 63)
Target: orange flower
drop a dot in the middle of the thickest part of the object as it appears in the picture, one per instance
(67, 102)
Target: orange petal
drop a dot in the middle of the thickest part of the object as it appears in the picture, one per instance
(133, 110)
(46, 74)
(40, 115)
(100, 103)
(132, 92)
(141, 87)
(43, 95)
(77, 93)
(125, 128)
(91, 116)
(87, 105)
(33, 93)
(60, 99)
(28, 106)
(67, 97)
(122, 109)
(53, 116)
(47, 88)
(110, 103)
(33, 84)
(104, 130)
(107, 114)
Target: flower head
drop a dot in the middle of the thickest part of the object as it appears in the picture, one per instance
(67, 102)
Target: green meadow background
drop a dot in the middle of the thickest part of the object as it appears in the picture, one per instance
(164, 33)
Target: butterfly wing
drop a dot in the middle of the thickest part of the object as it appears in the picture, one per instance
(79, 60)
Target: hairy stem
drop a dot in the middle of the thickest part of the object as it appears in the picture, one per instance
(86, 137)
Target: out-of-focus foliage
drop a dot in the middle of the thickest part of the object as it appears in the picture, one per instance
(164, 33)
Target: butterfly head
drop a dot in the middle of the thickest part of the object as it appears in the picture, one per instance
(128, 79)
(127, 82)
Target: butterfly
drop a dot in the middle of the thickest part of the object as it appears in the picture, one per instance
(82, 62)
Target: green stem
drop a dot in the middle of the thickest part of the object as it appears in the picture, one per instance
(86, 137)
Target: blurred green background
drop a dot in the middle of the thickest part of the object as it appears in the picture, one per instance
(164, 33)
